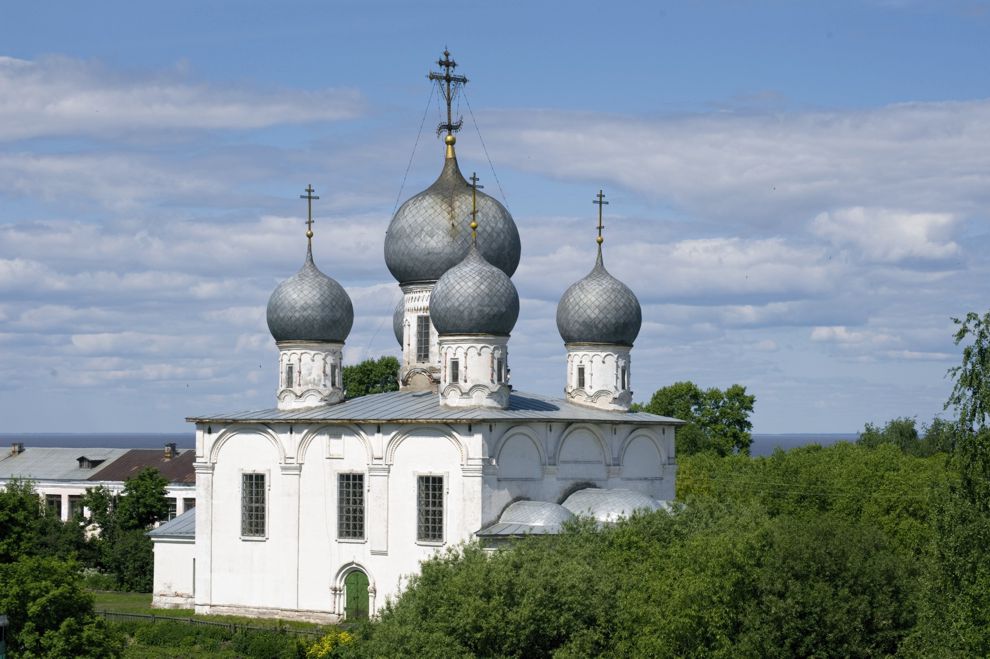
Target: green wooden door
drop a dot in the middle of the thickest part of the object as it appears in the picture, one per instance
(356, 596)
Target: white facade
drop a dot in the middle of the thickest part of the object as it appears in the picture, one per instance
(297, 567)
(175, 569)
(599, 375)
(420, 367)
(474, 371)
(310, 373)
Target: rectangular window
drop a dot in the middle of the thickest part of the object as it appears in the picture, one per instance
(499, 371)
(625, 379)
(289, 374)
(75, 506)
(350, 506)
(455, 370)
(253, 505)
(422, 338)
(580, 383)
(189, 503)
(172, 510)
(429, 503)
(333, 376)
(54, 504)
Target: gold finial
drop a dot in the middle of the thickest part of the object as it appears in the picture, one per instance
(309, 197)
(449, 84)
(600, 201)
(450, 141)
(474, 206)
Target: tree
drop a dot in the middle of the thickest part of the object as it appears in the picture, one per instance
(122, 546)
(143, 501)
(28, 529)
(372, 376)
(971, 390)
(50, 613)
(716, 420)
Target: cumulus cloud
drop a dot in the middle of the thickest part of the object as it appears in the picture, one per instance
(890, 236)
(62, 96)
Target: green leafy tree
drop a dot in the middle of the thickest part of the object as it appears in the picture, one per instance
(27, 528)
(143, 501)
(717, 420)
(50, 614)
(372, 376)
(970, 395)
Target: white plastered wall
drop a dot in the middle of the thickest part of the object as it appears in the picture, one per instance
(175, 566)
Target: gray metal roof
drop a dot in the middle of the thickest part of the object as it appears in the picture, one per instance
(599, 309)
(429, 233)
(183, 526)
(47, 463)
(398, 316)
(424, 407)
(474, 297)
(310, 306)
(610, 505)
(528, 518)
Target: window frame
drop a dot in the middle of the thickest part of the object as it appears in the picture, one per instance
(266, 485)
(290, 375)
(442, 535)
(581, 378)
(455, 370)
(364, 507)
(423, 338)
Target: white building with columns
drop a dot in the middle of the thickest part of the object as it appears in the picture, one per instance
(322, 506)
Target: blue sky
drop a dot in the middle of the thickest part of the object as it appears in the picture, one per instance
(799, 193)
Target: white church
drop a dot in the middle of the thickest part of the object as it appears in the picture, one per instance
(322, 506)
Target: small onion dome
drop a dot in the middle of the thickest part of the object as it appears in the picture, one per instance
(398, 316)
(599, 309)
(427, 235)
(474, 297)
(309, 306)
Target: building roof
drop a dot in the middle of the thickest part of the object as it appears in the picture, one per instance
(421, 407)
(58, 464)
(474, 297)
(429, 233)
(183, 526)
(610, 505)
(310, 306)
(599, 309)
(177, 470)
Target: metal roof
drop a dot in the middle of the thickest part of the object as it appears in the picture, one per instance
(178, 469)
(60, 464)
(429, 233)
(424, 407)
(474, 297)
(599, 309)
(310, 306)
(183, 526)
(610, 505)
(528, 518)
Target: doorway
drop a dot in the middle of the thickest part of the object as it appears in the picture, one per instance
(356, 596)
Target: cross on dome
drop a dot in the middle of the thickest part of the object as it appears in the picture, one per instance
(449, 84)
(474, 206)
(309, 197)
(601, 203)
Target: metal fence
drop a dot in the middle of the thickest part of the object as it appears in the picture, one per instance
(113, 616)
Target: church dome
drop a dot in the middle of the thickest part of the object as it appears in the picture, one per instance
(309, 306)
(398, 316)
(474, 297)
(599, 309)
(428, 234)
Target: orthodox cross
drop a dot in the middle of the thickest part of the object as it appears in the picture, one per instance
(448, 87)
(474, 205)
(601, 203)
(309, 197)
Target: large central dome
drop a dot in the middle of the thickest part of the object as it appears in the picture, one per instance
(429, 233)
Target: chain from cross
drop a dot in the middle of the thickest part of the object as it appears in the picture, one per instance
(309, 197)
(601, 203)
(474, 204)
(448, 89)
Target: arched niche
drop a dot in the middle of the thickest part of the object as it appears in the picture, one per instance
(582, 455)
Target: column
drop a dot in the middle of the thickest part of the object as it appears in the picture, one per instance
(290, 509)
(204, 537)
(376, 520)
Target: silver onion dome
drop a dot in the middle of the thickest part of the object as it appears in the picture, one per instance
(428, 235)
(599, 309)
(398, 316)
(474, 297)
(309, 306)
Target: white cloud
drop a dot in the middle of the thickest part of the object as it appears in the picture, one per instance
(62, 96)
(890, 236)
(842, 335)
